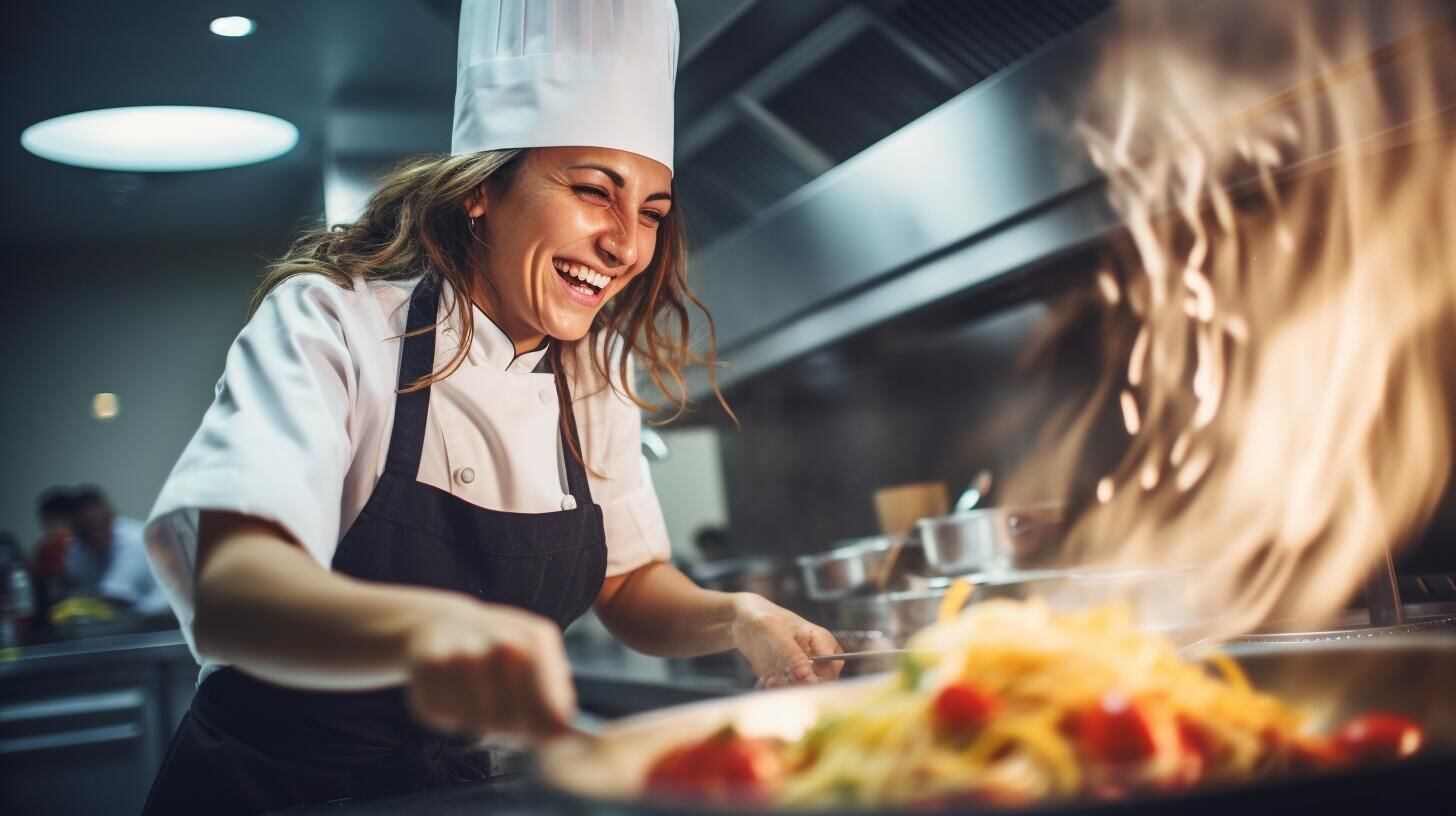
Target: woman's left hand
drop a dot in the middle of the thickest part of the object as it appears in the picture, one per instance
(778, 643)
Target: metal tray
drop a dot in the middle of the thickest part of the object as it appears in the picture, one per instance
(1414, 676)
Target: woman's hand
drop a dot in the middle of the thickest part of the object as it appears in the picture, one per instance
(778, 643)
(479, 668)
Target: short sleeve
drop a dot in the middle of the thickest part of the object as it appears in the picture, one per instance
(611, 427)
(275, 442)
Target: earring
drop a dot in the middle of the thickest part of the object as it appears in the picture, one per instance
(476, 237)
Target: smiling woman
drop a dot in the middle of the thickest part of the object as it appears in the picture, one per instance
(509, 228)
(424, 457)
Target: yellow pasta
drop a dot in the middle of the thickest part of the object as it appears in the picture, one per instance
(1043, 671)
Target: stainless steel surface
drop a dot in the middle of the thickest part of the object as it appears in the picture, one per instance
(772, 578)
(855, 565)
(1430, 625)
(894, 615)
(1333, 681)
(1382, 594)
(907, 222)
(993, 540)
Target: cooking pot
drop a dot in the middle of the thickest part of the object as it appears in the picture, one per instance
(993, 540)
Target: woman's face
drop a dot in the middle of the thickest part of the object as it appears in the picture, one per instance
(574, 227)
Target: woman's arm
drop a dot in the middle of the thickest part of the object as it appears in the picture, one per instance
(657, 610)
(265, 606)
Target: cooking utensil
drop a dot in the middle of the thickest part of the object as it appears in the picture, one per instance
(974, 493)
(896, 615)
(898, 508)
(1410, 676)
(993, 540)
(859, 655)
(856, 564)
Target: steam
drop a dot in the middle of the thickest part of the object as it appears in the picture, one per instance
(1288, 185)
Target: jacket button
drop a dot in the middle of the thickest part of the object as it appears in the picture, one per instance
(568, 503)
(465, 475)
(546, 395)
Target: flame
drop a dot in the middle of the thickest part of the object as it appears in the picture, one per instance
(1287, 179)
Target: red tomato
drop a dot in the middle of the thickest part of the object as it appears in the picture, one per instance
(961, 708)
(1378, 737)
(1115, 731)
(1197, 755)
(724, 768)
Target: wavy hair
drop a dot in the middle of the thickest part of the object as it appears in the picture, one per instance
(415, 224)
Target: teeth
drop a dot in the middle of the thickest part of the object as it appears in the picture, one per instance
(584, 274)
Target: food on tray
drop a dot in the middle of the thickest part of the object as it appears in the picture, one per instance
(1012, 704)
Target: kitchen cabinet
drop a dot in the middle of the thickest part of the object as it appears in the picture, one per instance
(84, 726)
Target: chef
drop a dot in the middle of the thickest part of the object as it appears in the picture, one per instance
(422, 461)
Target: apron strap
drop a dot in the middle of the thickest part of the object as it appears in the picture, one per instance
(576, 481)
(416, 360)
(412, 410)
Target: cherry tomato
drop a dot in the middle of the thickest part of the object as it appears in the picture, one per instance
(1378, 737)
(961, 708)
(1115, 731)
(724, 768)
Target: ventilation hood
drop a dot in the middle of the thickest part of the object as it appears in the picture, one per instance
(805, 234)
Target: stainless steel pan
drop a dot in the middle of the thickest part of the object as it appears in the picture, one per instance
(993, 540)
(1415, 676)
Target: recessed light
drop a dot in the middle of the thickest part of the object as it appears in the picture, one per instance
(232, 26)
(105, 406)
(168, 138)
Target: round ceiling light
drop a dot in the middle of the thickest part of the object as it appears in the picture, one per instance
(232, 26)
(169, 138)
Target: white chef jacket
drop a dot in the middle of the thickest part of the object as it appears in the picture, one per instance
(299, 429)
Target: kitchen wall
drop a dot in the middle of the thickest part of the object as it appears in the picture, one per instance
(689, 485)
(149, 324)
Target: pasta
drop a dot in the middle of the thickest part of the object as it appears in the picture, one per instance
(1010, 703)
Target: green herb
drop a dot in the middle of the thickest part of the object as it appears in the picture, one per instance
(912, 671)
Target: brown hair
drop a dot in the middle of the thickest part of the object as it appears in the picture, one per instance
(415, 224)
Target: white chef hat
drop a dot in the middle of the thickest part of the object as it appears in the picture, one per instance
(589, 73)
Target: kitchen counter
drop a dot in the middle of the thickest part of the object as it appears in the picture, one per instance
(510, 795)
(612, 680)
(104, 709)
(94, 654)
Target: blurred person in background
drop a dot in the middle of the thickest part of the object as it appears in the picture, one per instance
(55, 509)
(108, 558)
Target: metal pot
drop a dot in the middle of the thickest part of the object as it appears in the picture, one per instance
(895, 616)
(772, 578)
(993, 540)
(860, 564)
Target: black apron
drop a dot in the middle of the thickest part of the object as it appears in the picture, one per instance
(248, 746)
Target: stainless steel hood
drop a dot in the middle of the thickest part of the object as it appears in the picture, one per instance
(983, 186)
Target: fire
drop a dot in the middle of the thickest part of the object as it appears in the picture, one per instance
(1287, 176)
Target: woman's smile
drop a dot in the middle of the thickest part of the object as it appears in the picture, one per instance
(585, 285)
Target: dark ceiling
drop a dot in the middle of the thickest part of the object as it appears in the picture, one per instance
(307, 59)
(771, 95)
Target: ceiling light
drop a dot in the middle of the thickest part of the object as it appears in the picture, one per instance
(232, 26)
(105, 406)
(160, 138)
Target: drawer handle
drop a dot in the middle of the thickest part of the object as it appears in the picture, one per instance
(77, 706)
(70, 739)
